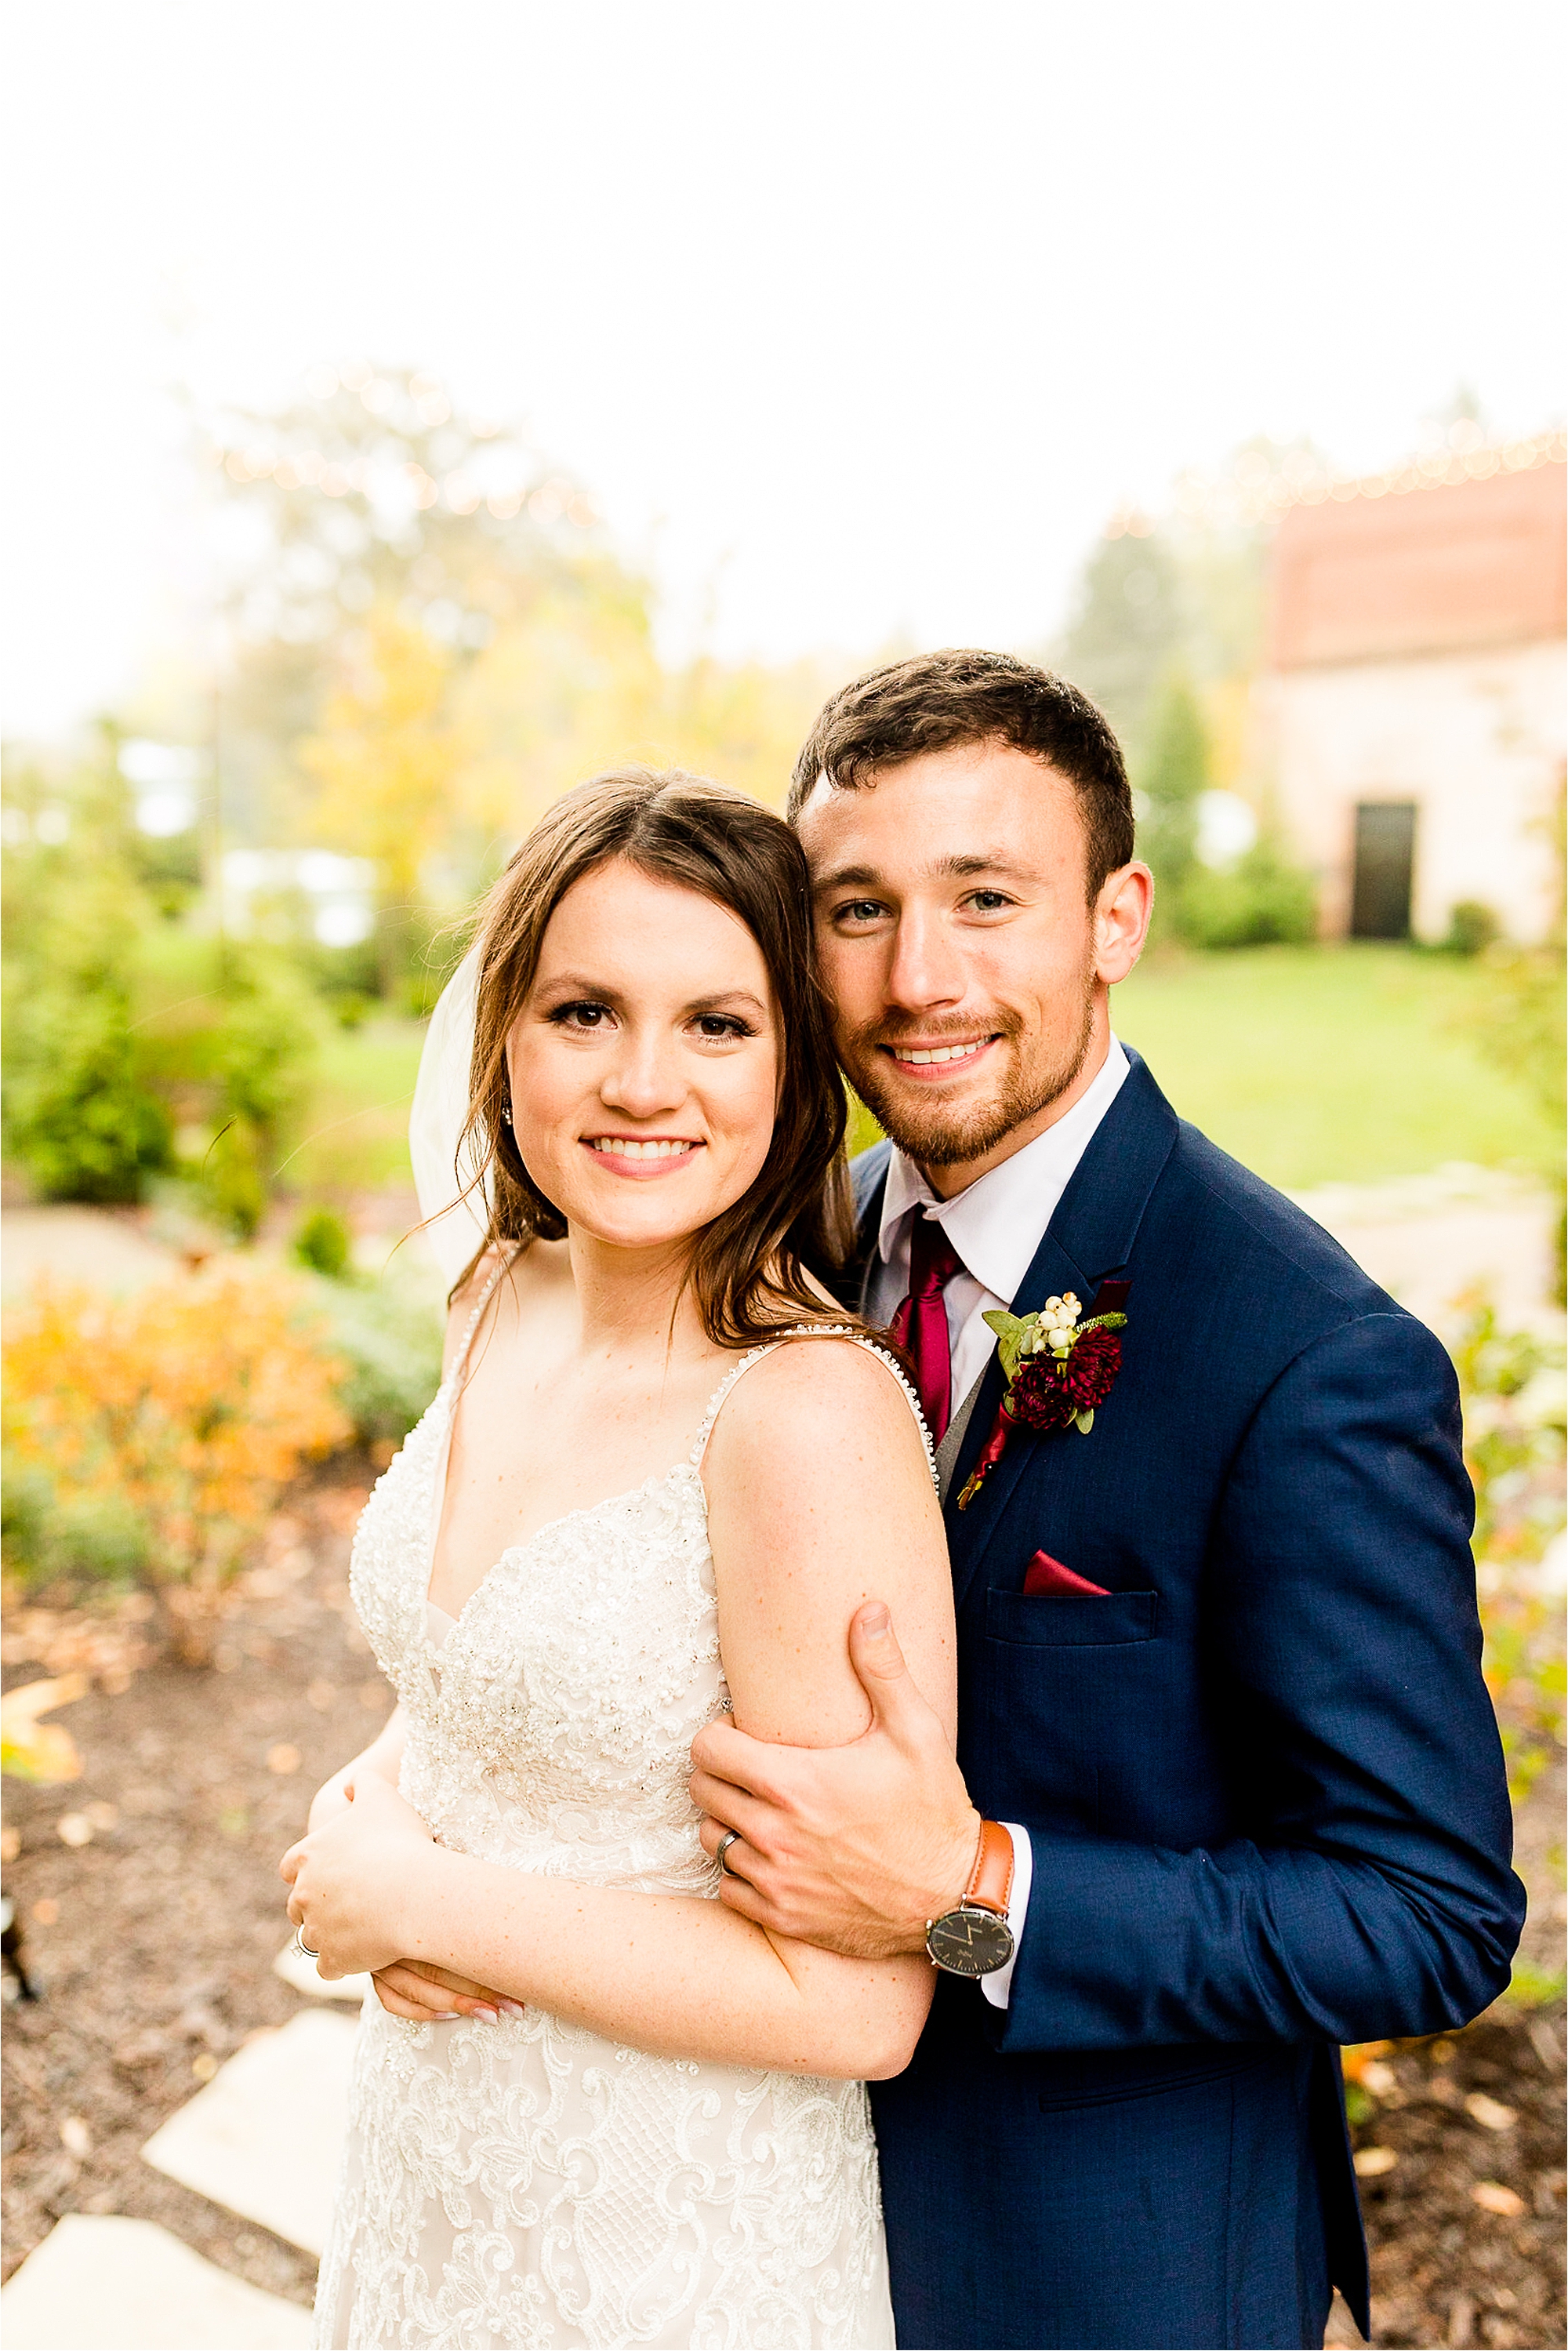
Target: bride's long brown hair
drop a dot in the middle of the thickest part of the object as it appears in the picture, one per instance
(750, 1267)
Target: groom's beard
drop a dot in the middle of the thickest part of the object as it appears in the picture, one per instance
(940, 1134)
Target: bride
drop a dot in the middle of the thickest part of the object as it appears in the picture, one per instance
(592, 2105)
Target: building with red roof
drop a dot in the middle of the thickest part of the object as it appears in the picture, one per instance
(1414, 698)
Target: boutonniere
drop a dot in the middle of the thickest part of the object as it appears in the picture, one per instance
(1058, 1369)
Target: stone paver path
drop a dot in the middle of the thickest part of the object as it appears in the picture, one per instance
(91, 1245)
(265, 2137)
(1429, 1238)
(101, 2284)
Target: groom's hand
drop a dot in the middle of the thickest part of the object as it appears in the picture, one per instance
(853, 1847)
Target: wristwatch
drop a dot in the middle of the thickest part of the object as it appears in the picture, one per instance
(975, 1940)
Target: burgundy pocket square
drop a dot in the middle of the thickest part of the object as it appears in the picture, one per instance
(1047, 1578)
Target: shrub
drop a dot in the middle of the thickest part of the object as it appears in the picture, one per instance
(322, 1243)
(169, 868)
(1472, 927)
(1263, 900)
(80, 1115)
(1514, 1446)
(45, 1537)
(229, 1047)
(175, 1415)
(79, 1118)
(124, 1028)
(1171, 782)
(1517, 1021)
(389, 1343)
(230, 1181)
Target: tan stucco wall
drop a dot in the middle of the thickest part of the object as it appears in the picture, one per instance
(1477, 740)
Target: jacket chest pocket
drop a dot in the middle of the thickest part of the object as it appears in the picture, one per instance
(1061, 1690)
(1053, 1620)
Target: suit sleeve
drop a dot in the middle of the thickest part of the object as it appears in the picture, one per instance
(1373, 1895)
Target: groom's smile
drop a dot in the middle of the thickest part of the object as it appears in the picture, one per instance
(937, 1061)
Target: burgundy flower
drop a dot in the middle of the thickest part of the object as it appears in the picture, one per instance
(1091, 1368)
(1038, 1396)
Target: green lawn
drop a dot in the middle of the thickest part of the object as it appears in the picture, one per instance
(1313, 1065)
(1317, 1065)
(354, 1133)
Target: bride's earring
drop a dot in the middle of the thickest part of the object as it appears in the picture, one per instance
(505, 1118)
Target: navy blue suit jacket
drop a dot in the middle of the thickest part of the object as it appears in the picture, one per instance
(1262, 1781)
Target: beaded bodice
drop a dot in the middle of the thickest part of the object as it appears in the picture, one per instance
(528, 2183)
(550, 1723)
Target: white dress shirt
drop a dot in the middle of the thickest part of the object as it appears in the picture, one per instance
(994, 1226)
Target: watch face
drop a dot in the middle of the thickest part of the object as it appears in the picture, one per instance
(970, 1942)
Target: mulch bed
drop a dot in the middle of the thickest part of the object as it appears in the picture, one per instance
(152, 1947)
(154, 1951)
(1446, 2269)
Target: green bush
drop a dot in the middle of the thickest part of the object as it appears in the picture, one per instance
(227, 1035)
(124, 1026)
(230, 1179)
(1472, 927)
(79, 1116)
(266, 1040)
(1263, 900)
(169, 869)
(1170, 781)
(47, 1537)
(27, 1496)
(1520, 1023)
(391, 1340)
(322, 1242)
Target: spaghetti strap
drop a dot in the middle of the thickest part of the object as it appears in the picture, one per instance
(461, 1357)
(813, 1330)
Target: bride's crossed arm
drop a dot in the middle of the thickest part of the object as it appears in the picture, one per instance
(819, 1498)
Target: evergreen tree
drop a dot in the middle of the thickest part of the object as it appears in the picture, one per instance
(1168, 782)
(1128, 630)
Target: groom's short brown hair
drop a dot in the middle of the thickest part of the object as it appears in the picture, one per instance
(940, 700)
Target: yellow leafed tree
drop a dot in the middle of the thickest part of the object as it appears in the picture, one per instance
(436, 765)
(576, 686)
(571, 687)
(385, 759)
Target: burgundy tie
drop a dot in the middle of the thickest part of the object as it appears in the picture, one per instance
(921, 1323)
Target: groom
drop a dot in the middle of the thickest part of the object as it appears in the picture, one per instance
(1219, 1656)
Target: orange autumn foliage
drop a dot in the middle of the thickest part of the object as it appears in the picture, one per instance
(193, 1402)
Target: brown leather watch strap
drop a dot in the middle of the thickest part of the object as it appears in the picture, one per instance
(990, 1883)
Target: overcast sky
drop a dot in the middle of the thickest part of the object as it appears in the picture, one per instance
(854, 318)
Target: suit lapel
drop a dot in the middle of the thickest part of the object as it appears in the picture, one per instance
(868, 1177)
(953, 1437)
(1091, 1235)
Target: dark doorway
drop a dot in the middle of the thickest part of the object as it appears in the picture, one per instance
(1384, 855)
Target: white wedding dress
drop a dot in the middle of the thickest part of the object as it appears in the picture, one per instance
(528, 2183)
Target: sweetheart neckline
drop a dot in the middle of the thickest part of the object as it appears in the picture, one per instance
(565, 1518)
(451, 1392)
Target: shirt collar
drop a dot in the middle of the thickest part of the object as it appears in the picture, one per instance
(997, 1223)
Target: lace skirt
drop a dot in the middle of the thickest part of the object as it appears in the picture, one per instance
(528, 2183)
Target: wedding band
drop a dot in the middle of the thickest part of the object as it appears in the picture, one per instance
(730, 1836)
(303, 1948)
